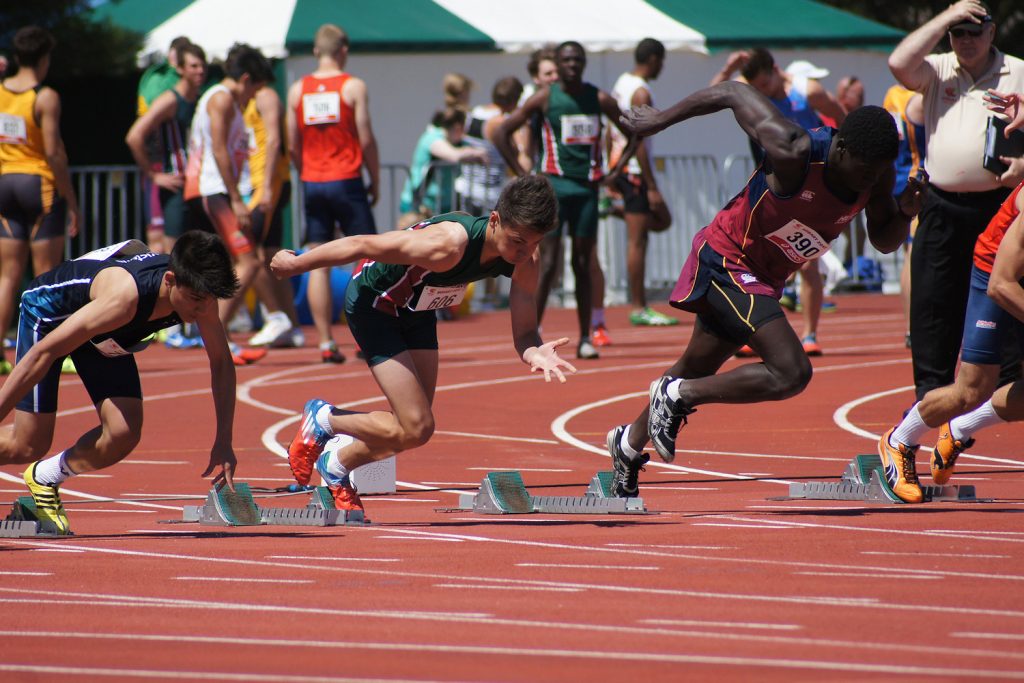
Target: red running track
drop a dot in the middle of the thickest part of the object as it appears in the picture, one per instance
(724, 583)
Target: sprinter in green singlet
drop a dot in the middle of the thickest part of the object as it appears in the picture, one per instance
(570, 157)
(391, 307)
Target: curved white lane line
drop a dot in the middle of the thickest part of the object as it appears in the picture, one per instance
(562, 434)
(842, 420)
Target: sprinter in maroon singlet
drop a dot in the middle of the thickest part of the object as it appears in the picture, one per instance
(810, 185)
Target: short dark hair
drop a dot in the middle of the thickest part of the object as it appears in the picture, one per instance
(245, 59)
(529, 202)
(200, 261)
(647, 48)
(446, 118)
(572, 44)
(760, 61)
(31, 44)
(179, 43)
(506, 91)
(191, 49)
(869, 133)
(538, 56)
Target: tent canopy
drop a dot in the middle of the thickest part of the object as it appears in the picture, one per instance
(285, 27)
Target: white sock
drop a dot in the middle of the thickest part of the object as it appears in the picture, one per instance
(323, 418)
(335, 467)
(673, 389)
(983, 416)
(596, 317)
(910, 431)
(630, 452)
(53, 470)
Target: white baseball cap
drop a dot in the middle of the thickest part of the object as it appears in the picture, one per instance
(802, 67)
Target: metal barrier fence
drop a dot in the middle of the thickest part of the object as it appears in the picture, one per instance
(694, 188)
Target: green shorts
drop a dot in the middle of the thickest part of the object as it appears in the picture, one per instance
(577, 206)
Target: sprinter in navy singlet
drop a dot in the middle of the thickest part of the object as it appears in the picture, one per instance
(99, 310)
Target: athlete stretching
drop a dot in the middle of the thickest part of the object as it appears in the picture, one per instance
(809, 187)
(391, 306)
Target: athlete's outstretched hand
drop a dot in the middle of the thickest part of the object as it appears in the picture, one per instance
(223, 456)
(545, 359)
(283, 264)
(642, 121)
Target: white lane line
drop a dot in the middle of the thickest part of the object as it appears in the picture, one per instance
(240, 579)
(521, 469)
(737, 525)
(470, 586)
(842, 419)
(495, 437)
(988, 636)
(617, 567)
(476, 651)
(391, 499)
(409, 538)
(320, 558)
(7, 573)
(721, 624)
(98, 673)
(93, 475)
(558, 428)
(804, 643)
(863, 575)
(450, 483)
(154, 462)
(58, 550)
(827, 601)
(970, 556)
(977, 532)
(677, 547)
(79, 510)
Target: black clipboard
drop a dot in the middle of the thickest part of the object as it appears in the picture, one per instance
(998, 145)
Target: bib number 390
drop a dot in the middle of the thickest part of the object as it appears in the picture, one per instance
(798, 242)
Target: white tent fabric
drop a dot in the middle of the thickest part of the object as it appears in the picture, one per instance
(218, 24)
(599, 25)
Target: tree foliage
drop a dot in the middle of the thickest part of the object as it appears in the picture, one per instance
(908, 16)
(84, 47)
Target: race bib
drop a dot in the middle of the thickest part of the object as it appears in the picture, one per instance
(13, 130)
(321, 107)
(110, 348)
(433, 298)
(580, 129)
(250, 135)
(798, 242)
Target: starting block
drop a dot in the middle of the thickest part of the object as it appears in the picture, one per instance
(503, 493)
(864, 480)
(22, 522)
(238, 508)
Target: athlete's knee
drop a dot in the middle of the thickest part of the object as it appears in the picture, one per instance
(416, 433)
(121, 439)
(793, 377)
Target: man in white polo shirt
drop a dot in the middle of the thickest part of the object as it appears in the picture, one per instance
(964, 195)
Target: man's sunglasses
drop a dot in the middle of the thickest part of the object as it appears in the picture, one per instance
(965, 32)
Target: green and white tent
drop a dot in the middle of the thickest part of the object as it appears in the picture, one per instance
(281, 28)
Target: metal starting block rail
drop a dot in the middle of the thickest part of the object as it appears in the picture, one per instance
(503, 493)
(864, 479)
(22, 522)
(226, 508)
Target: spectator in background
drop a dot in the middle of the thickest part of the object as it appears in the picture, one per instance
(963, 195)
(38, 205)
(907, 109)
(218, 170)
(269, 173)
(331, 142)
(643, 206)
(800, 97)
(3, 65)
(430, 187)
(155, 80)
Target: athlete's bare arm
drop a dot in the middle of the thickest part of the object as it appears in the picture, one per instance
(292, 125)
(522, 303)
(222, 384)
(888, 219)
(268, 104)
(1004, 283)
(642, 98)
(221, 108)
(47, 112)
(115, 298)
(437, 247)
(356, 96)
(786, 144)
(824, 102)
(162, 109)
(516, 119)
